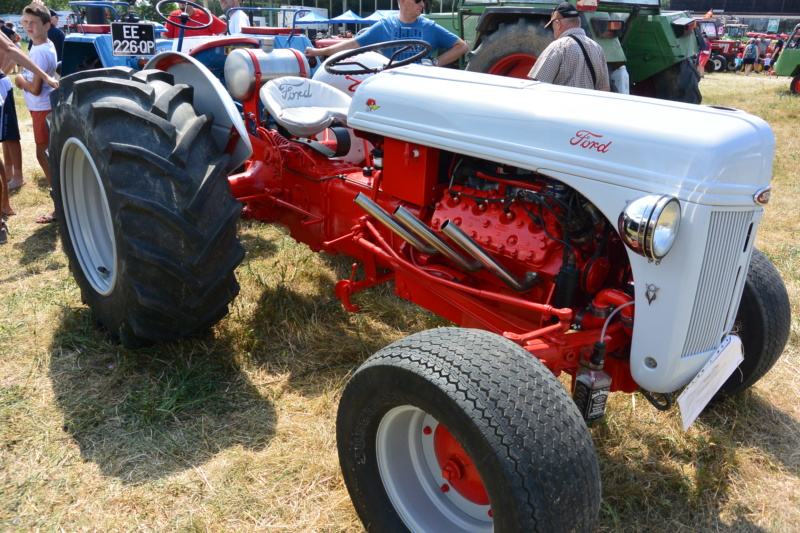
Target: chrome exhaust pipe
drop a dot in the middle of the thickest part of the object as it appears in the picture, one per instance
(386, 219)
(418, 228)
(475, 250)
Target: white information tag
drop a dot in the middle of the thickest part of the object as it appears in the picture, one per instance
(711, 377)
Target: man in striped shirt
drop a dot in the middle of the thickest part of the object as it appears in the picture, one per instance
(573, 59)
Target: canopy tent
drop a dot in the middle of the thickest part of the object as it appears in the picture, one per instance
(381, 14)
(348, 17)
(311, 18)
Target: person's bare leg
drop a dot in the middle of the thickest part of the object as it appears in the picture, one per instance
(12, 151)
(41, 156)
(4, 200)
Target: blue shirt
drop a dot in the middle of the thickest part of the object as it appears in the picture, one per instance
(57, 36)
(422, 29)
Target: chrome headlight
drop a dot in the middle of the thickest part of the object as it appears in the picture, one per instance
(649, 225)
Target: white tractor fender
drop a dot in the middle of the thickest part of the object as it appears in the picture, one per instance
(209, 97)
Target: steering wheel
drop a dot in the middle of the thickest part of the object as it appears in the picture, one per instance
(337, 61)
(184, 26)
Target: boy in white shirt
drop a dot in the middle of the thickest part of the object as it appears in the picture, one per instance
(8, 119)
(36, 21)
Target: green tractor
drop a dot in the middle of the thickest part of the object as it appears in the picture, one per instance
(788, 63)
(656, 48)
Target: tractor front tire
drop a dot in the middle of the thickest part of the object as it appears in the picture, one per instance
(511, 50)
(763, 323)
(461, 431)
(679, 83)
(145, 211)
(718, 63)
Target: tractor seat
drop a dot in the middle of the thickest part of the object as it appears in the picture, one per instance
(304, 107)
(92, 28)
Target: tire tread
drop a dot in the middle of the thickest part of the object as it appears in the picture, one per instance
(523, 413)
(166, 184)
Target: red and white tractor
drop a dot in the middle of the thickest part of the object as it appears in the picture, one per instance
(567, 231)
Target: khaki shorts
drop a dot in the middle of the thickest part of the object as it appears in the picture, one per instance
(40, 135)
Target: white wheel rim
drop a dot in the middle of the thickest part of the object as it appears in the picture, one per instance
(413, 480)
(88, 217)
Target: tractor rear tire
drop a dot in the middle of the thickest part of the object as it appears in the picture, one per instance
(521, 453)
(511, 50)
(795, 85)
(679, 83)
(145, 211)
(763, 322)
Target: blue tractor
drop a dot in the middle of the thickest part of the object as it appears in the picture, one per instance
(110, 34)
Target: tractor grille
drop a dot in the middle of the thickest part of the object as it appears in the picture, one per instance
(719, 278)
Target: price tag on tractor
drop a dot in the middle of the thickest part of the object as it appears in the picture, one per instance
(133, 39)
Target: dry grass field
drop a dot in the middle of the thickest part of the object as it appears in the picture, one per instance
(235, 431)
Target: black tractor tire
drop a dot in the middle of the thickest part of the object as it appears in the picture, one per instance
(145, 210)
(795, 85)
(511, 50)
(679, 83)
(731, 64)
(515, 425)
(763, 322)
(718, 63)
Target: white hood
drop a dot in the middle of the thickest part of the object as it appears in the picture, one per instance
(697, 153)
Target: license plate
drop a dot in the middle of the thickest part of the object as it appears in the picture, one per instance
(133, 39)
(708, 381)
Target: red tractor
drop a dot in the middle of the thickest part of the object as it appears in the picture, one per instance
(566, 231)
(725, 41)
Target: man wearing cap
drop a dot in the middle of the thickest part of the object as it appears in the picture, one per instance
(56, 34)
(573, 59)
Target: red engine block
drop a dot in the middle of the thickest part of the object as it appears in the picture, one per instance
(509, 232)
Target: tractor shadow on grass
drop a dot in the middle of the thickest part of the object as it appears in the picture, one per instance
(752, 420)
(691, 480)
(143, 415)
(298, 328)
(36, 251)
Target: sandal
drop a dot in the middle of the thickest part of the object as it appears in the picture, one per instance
(3, 231)
(46, 219)
(15, 184)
